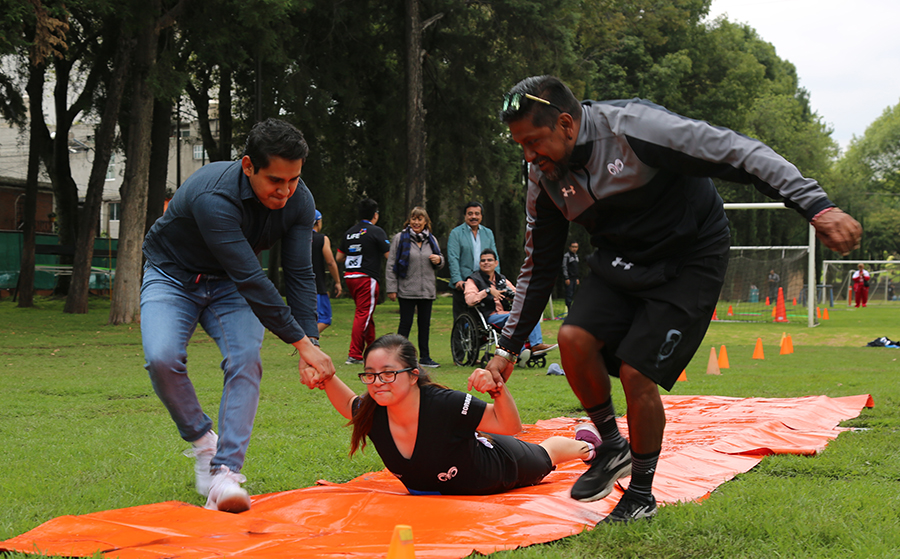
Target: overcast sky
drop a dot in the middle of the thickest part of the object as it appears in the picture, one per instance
(847, 53)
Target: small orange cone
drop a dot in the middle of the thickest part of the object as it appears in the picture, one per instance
(794, 303)
(790, 344)
(683, 375)
(825, 314)
(730, 311)
(712, 366)
(714, 315)
(758, 350)
(767, 302)
(723, 358)
(849, 295)
(818, 313)
(785, 349)
(402, 543)
(773, 312)
(780, 312)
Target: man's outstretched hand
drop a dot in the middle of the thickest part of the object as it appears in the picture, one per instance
(838, 231)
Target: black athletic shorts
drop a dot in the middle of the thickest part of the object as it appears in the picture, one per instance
(655, 329)
(531, 459)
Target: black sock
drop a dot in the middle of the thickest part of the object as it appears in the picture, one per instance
(604, 418)
(643, 467)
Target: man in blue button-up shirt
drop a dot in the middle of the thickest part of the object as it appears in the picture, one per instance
(203, 267)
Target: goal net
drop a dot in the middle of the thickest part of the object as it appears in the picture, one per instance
(750, 291)
(838, 273)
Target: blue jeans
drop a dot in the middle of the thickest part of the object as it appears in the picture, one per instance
(169, 315)
(534, 338)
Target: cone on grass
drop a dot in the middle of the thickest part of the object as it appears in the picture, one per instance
(683, 376)
(818, 313)
(825, 314)
(723, 358)
(794, 302)
(402, 543)
(712, 366)
(730, 311)
(758, 350)
(768, 302)
(780, 312)
(714, 315)
(787, 347)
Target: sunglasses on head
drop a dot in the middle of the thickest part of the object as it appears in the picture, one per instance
(513, 101)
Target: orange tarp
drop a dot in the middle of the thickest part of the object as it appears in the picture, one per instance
(708, 441)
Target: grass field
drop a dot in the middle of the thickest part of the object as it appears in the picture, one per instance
(81, 431)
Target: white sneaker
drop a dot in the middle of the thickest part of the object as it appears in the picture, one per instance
(226, 493)
(202, 451)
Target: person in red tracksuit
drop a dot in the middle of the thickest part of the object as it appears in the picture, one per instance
(861, 285)
(361, 252)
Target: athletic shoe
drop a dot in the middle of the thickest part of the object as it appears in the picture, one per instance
(226, 493)
(352, 361)
(610, 464)
(586, 432)
(202, 451)
(429, 362)
(541, 349)
(524, 356)
(632, 507)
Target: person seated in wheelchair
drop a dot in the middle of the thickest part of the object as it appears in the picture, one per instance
(492, 294)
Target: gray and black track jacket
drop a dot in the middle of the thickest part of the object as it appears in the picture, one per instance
(639, 182)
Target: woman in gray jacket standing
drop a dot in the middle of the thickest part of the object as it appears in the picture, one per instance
(413, 258)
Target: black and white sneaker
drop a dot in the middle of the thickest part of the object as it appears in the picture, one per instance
(429, 362)
(609, 464)
(632, 507)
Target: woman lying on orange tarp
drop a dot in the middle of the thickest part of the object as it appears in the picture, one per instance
(426, 433)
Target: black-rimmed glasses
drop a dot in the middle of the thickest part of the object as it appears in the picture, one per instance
(513, 101)
(385, 377)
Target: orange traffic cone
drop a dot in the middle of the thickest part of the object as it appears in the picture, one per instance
(683, 375)
(790, 344)
(849, 296)
(758, 350)
(818, 313)
(794, 303)
(784, 345)
(402, 543)
(712, 366)
(767, 302)
(825, 314)
(780, 313)
(773, 311)
(723, 358)
(714, 315)
(730, 311)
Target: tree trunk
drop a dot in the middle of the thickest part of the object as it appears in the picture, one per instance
(35, 88)
(125, 306)
(60, 169)
(77, 299)
(225, 117)
(415, 112)
(159, 160)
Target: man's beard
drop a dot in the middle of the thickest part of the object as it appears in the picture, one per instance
(559, 170)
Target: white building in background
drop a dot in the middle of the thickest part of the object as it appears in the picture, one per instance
(186, 155)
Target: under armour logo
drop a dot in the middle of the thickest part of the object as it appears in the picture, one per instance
(615, 167)
(618, 260)
(568, 191)
(450, 474)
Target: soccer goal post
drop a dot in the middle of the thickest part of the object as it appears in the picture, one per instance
(747, 282)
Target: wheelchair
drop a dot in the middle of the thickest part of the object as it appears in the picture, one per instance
(473, 339)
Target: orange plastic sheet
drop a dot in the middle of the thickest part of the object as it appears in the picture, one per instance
(708, 441)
